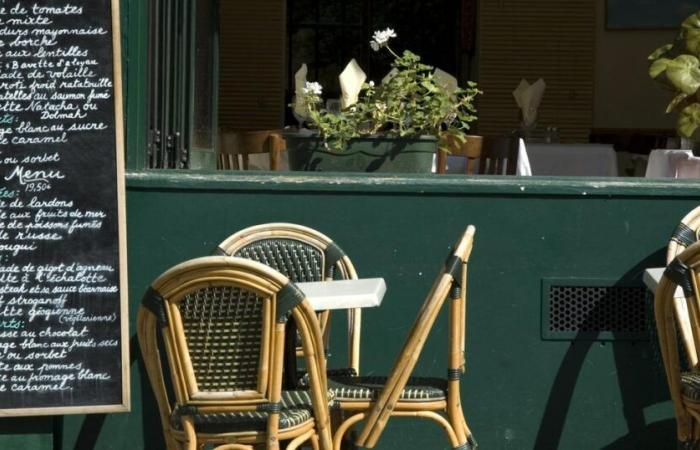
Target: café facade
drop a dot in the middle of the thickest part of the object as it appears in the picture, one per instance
(547, 252)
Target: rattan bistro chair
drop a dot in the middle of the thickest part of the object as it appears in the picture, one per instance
(674, 330)
(221, 321)
(684, 235)
(375, 399)
(302, 254)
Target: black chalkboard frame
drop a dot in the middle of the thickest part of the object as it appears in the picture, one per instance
(125, 404)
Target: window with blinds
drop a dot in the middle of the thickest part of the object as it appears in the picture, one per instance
(549, 39)
(251, 64)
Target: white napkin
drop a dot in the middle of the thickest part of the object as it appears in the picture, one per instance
(529, 98)
(523, 168)
(351, 81)
(299, 83)
(446, 80)
(688, 169)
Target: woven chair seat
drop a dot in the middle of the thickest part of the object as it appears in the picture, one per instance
(690, 385)
(296, 409)
(418, 389)
(246, 421)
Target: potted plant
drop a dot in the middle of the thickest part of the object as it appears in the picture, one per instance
(677, 66)
(394, 126)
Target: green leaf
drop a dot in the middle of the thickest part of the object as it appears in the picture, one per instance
(676, 101)
(660, 52)
(692, 22)
(684, 73)
(689, 120)
(658, 67)
(692, 41)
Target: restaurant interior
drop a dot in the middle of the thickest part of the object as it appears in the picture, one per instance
(245, 57)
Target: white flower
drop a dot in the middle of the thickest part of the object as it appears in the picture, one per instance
(381, 38)
(371, 84)
(313, 88)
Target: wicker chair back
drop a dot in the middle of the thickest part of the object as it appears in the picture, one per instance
(222, 324)
(675, 323)
(302, 254)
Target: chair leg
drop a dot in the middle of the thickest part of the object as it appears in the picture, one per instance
(188, 426)
(233, 447)
(296, 442)
(343, 428)
(444, 423)
(314, 442)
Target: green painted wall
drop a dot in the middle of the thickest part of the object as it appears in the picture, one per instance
(521, 392)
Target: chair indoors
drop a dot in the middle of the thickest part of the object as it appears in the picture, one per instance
(678, 325)
(302, 254)
(469, 149)
(484, 155)
(236, 148)
(221, 322)
(376, 399)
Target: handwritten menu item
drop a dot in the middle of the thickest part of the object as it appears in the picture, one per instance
(62, 237)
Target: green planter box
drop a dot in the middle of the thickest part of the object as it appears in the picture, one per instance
(376, 154)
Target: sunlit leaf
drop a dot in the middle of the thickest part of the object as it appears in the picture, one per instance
(684, 73)
(689, 120)
(658, 67)
(676, 101)
(660, 52)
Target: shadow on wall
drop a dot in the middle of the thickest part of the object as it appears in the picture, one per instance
(641, 383)
(150, 417)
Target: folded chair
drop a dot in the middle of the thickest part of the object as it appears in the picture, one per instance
(376, 399)
(302, 254)
(221, 322)
(680, 327)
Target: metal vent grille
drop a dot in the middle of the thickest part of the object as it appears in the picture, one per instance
(597, 312)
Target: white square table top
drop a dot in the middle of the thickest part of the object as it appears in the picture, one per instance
(652, 277)
(344, 294)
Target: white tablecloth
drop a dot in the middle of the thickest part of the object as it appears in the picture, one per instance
(592, 160)
(672, 164)
(458, 164)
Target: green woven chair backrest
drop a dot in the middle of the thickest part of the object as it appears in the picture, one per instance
(297, 260)
(223, 329)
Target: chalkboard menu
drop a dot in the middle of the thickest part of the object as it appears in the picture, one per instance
(63, 346)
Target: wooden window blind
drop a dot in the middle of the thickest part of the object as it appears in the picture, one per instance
(549, 39)
(251, 64)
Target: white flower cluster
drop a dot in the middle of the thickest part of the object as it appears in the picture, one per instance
(313, 88)
(380, 38)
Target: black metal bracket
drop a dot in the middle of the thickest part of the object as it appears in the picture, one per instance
(680, 274)
(287, 299)
(154, 302)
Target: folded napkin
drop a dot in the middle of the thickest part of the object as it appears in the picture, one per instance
(299, 83)
(686, 165)
(688, 169)
(529, 98)
(446, 80)
(351, 81)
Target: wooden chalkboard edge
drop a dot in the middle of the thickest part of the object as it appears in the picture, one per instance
(59, 411)
(121, 211)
